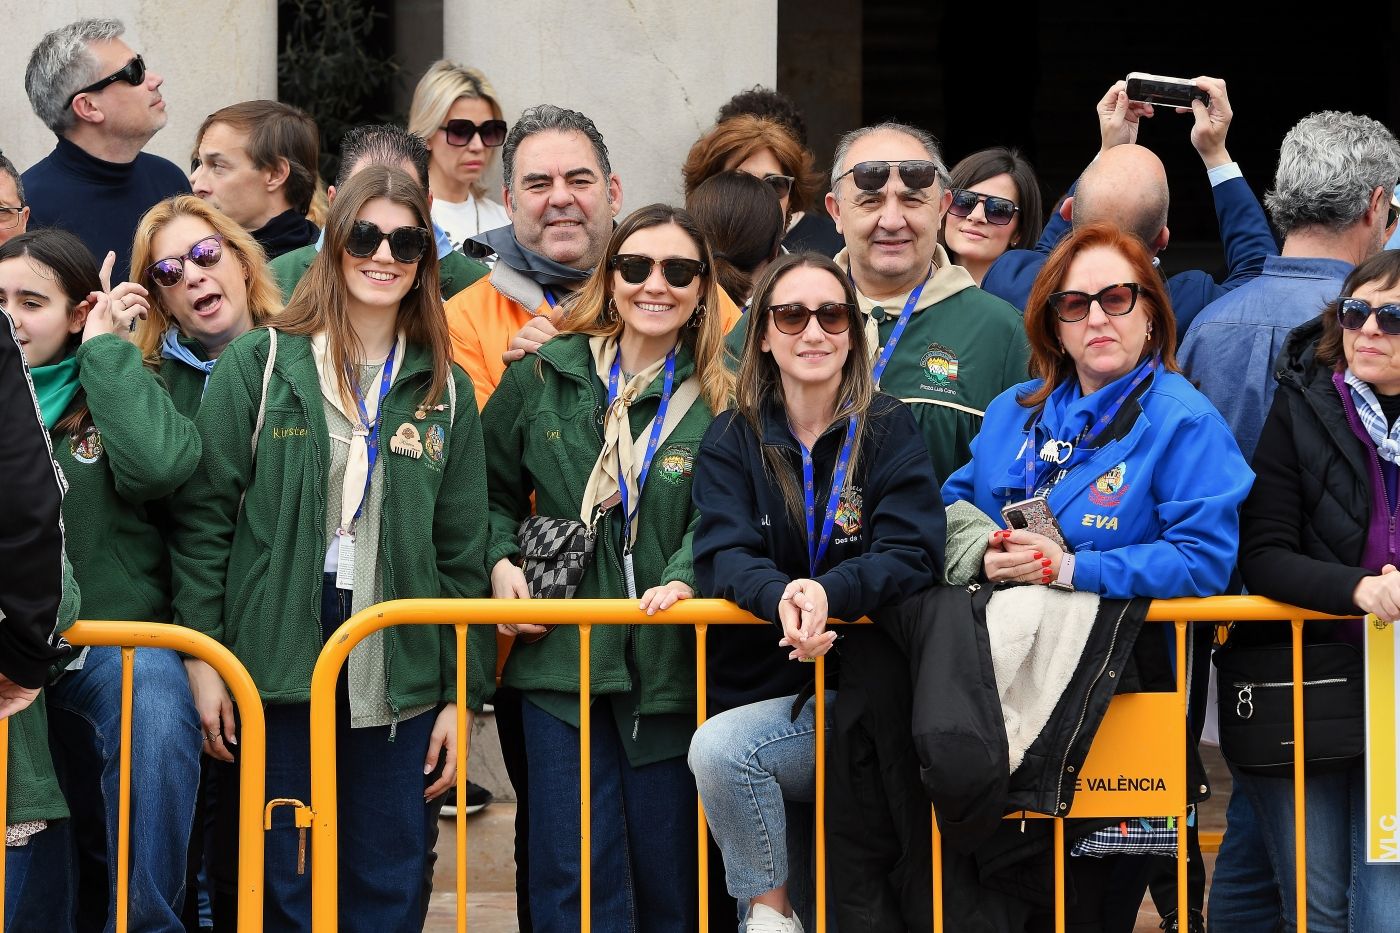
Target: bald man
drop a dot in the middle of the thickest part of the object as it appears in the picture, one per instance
(1126, 184)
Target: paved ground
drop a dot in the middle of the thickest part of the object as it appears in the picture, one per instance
(491, 899)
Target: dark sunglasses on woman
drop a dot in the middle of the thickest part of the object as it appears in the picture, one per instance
(206, 254)
(999, 211)
(781, 184)
(460, 132)
(872, 176)
(406, 244)
(1072, 307)
(834, 317)
(1353, 313)
(133, 73)
(636, 269)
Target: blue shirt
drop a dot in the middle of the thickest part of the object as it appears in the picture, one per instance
(1231, 349)
(1143, 517)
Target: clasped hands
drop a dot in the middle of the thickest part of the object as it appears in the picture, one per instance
(1021, 556)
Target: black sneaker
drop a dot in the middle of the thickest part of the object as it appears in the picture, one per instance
(477, 797)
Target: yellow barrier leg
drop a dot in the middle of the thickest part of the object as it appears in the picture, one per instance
(124, 793)
(1182, 901)
(821, 794)
(4, 800)
(1059, 875)
(937, 873)
(463, 737)
(1300, 834)
(702, 831)
(585, 782)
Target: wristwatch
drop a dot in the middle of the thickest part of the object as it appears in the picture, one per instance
(1064, 580)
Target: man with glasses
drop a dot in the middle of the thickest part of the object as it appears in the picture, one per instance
(14, 213)
(1127, 185)
(102, 103)
(257, 162)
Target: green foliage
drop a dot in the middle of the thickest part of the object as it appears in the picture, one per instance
(333, 64)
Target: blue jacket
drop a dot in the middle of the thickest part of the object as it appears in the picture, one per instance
(1232, 350)
(1244, 231)
(886, 545)
(1153, 512)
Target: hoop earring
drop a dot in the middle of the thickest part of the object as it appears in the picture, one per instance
(697, 317)
(609, 315)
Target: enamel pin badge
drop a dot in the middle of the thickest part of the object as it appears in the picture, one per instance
(407, 441)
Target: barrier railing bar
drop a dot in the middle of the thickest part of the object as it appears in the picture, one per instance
(130, 636)
(1183, 910)
(1300, 831)
(463, 736)
(1059, 846)
(937, 872)
(821, 794)
(124, 793)
(585, 773)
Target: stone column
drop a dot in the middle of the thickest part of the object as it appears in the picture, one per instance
(650, 74)
(211, 54)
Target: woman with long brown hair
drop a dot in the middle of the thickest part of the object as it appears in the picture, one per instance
(817, 500)
(601, 427)
(343, 469)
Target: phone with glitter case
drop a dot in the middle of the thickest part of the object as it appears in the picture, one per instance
(1034, 514)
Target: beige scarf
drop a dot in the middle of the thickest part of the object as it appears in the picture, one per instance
(947, 280)
(357, 467)
(621, 457)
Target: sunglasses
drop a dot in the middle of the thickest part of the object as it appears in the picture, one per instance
(460, 132)
(406, 244)
(781, 184)
(1353, 313)
(133, 73)
(999, 211)
(872, 176)
(637, 269)
(206, 254)
(1072, 307)
(834, 317)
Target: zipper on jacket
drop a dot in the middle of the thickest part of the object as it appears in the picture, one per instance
(320, 493)
(1084, 711)
(1244, 702)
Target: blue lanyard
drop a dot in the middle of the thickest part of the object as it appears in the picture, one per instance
(550, 299)
(816, 547)
(655, 439)
(888, 349)
(372, 440)
(1084, 442)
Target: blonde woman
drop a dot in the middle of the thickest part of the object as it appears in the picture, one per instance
(455, 109)
(208, 284)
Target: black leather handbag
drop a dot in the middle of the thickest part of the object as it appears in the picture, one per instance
(1255, 690)
(554, 553)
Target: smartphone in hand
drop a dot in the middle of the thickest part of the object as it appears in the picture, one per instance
(1163, 91)
(1034, 514)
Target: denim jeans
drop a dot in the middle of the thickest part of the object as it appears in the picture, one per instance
(643, 827)
(749, 764)
(1344, 893)
(1244, 897)
(27, 908)
(164, 774)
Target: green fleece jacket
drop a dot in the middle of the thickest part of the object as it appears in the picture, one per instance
(250, 575)
(184, 383)
(138, 450)
(34, 793)
(962, 348)
(455, 271)
(544, 434)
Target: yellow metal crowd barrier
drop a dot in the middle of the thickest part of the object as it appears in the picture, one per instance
(131, 636)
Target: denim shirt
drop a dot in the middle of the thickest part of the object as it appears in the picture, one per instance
(1231, 350)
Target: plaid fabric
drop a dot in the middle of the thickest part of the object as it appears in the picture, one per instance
(554, 553)
(1144, 835)
(1368, 409)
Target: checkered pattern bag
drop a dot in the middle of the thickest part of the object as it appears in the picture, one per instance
(554, 553)
(1143, 835)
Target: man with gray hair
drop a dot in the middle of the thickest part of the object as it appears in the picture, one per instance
(102, 103)
(14, 211)
(1331, 201)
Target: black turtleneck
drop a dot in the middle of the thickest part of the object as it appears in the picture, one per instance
(286, 232)
(100, 202)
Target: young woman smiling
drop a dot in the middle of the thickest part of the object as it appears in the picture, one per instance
(122, 446)
(996, 207)
(367, 480)
(602, 427)
(817, 500)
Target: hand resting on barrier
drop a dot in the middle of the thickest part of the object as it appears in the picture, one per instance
(508, 582)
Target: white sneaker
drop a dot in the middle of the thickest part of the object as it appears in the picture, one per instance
(764, 919)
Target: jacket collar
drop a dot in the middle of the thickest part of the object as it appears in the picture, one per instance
(569, 354)
(778, 433)
(295, 361)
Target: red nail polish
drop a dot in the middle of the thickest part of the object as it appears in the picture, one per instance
(1038, 555)
(1045, 562)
